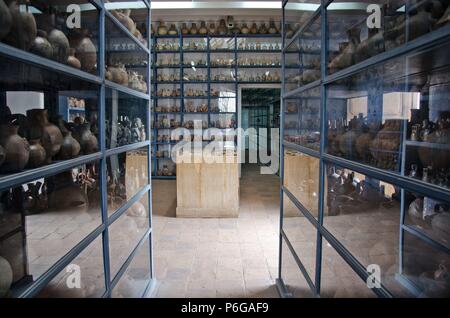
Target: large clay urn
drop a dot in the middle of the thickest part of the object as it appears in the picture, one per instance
(60, 45)
(41, 46)
(5, 20)
(49, 134)
(23, 30)
(16, 148)
(86, 53)
(38, 155)
(88, 142)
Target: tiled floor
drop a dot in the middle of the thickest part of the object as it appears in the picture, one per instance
(222, 257)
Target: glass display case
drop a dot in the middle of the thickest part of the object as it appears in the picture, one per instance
(74, 145)
(380, 121)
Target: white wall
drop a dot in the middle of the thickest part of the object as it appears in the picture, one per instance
(20, 102)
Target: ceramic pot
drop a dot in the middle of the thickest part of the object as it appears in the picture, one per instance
(72, 60)
(263, 29)
(222, 28)
(118, 74)
(60, 45)
(162, 29)
(6, 277)
(23, 29)
(49, 134)
(272, 28)
(203, 29)
(370, 47)
(193, 29)
(41, 46)
(16, 148)
(37, 154)
(70, 147)
(86, 53)
(124, 18)
(347, 55)
(254, 29)
(173, 30)
(212, 29)
(184, 29)
(88, 142)
(245, 29)
(5, 20)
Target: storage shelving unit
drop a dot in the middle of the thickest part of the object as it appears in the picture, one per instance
(83, 223)
(372, 200)
(206, 54)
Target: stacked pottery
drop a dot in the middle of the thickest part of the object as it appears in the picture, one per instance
(16, 148)
(49, 134)
(5, 20)
(347, 55)
(272, 28)
(23, 29)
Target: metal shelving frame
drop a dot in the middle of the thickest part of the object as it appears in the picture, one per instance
(436, 37)
(101, 156)
(208, 51)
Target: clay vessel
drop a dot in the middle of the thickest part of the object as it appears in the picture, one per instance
(203, 29)
(16, 148)
(212, 29)
(435, 156)
(193, 29)
(184, 29)
(173, 30)
(222, 28)
(49, 134)
(88, 142)
(72, 60)
(245, 29)
(37, 154)
(41, 46)
(347, 55)
(23, 30)
(5, 20)
(86, 53)
(263, 29)
(70, 147)
(118, 74)
(124, 18)
(60, 45)
(162, 29)
(254, 29)
(385, 146)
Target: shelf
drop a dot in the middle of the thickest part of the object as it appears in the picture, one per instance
(126, 90)
(425, 144)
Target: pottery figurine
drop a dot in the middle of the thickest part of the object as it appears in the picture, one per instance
(5, 20)
(60, 45)
(49, 134)
(16, 148)
(262, 29)
(23, 30)
(37, 154)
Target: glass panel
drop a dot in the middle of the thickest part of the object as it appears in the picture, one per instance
(126, 232)
(292, 276)
(303, 58)
(301, 178)
(297, 13)
(425, 268)
(41, 126)
(364, 215)
(301, 234)
(133, 16)
(356, 34)
(43, 220)
(338, 279)
(126, 61)
(429, 216)
(48, 29)
(367, 113)
(302, 119)
(137, 276)
(222, 44)
(126, 119)
(127, 175)
(89, 263)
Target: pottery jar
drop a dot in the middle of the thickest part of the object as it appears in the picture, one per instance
(88, 142)
(5, 20)
(49, 134)
(72, 60)
(203, 29)
(16, 148)
(347, 55)
(86, 53)
(222, 28)
(245, 29)
(70, 147)
(212, 29)
(254, 29)
(272, 28)
(41, 46)
(37, 154)
(173, 30)
(60, 45)
(184, 29)
(124, 18)
(193, 29)
(23, 30)
(162, 29)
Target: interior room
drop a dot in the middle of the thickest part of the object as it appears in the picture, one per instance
(224, 149)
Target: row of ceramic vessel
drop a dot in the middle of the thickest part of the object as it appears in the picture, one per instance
(223, 28)
(217, 45)
(120, 75)
(18, 28)
(190, 107)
